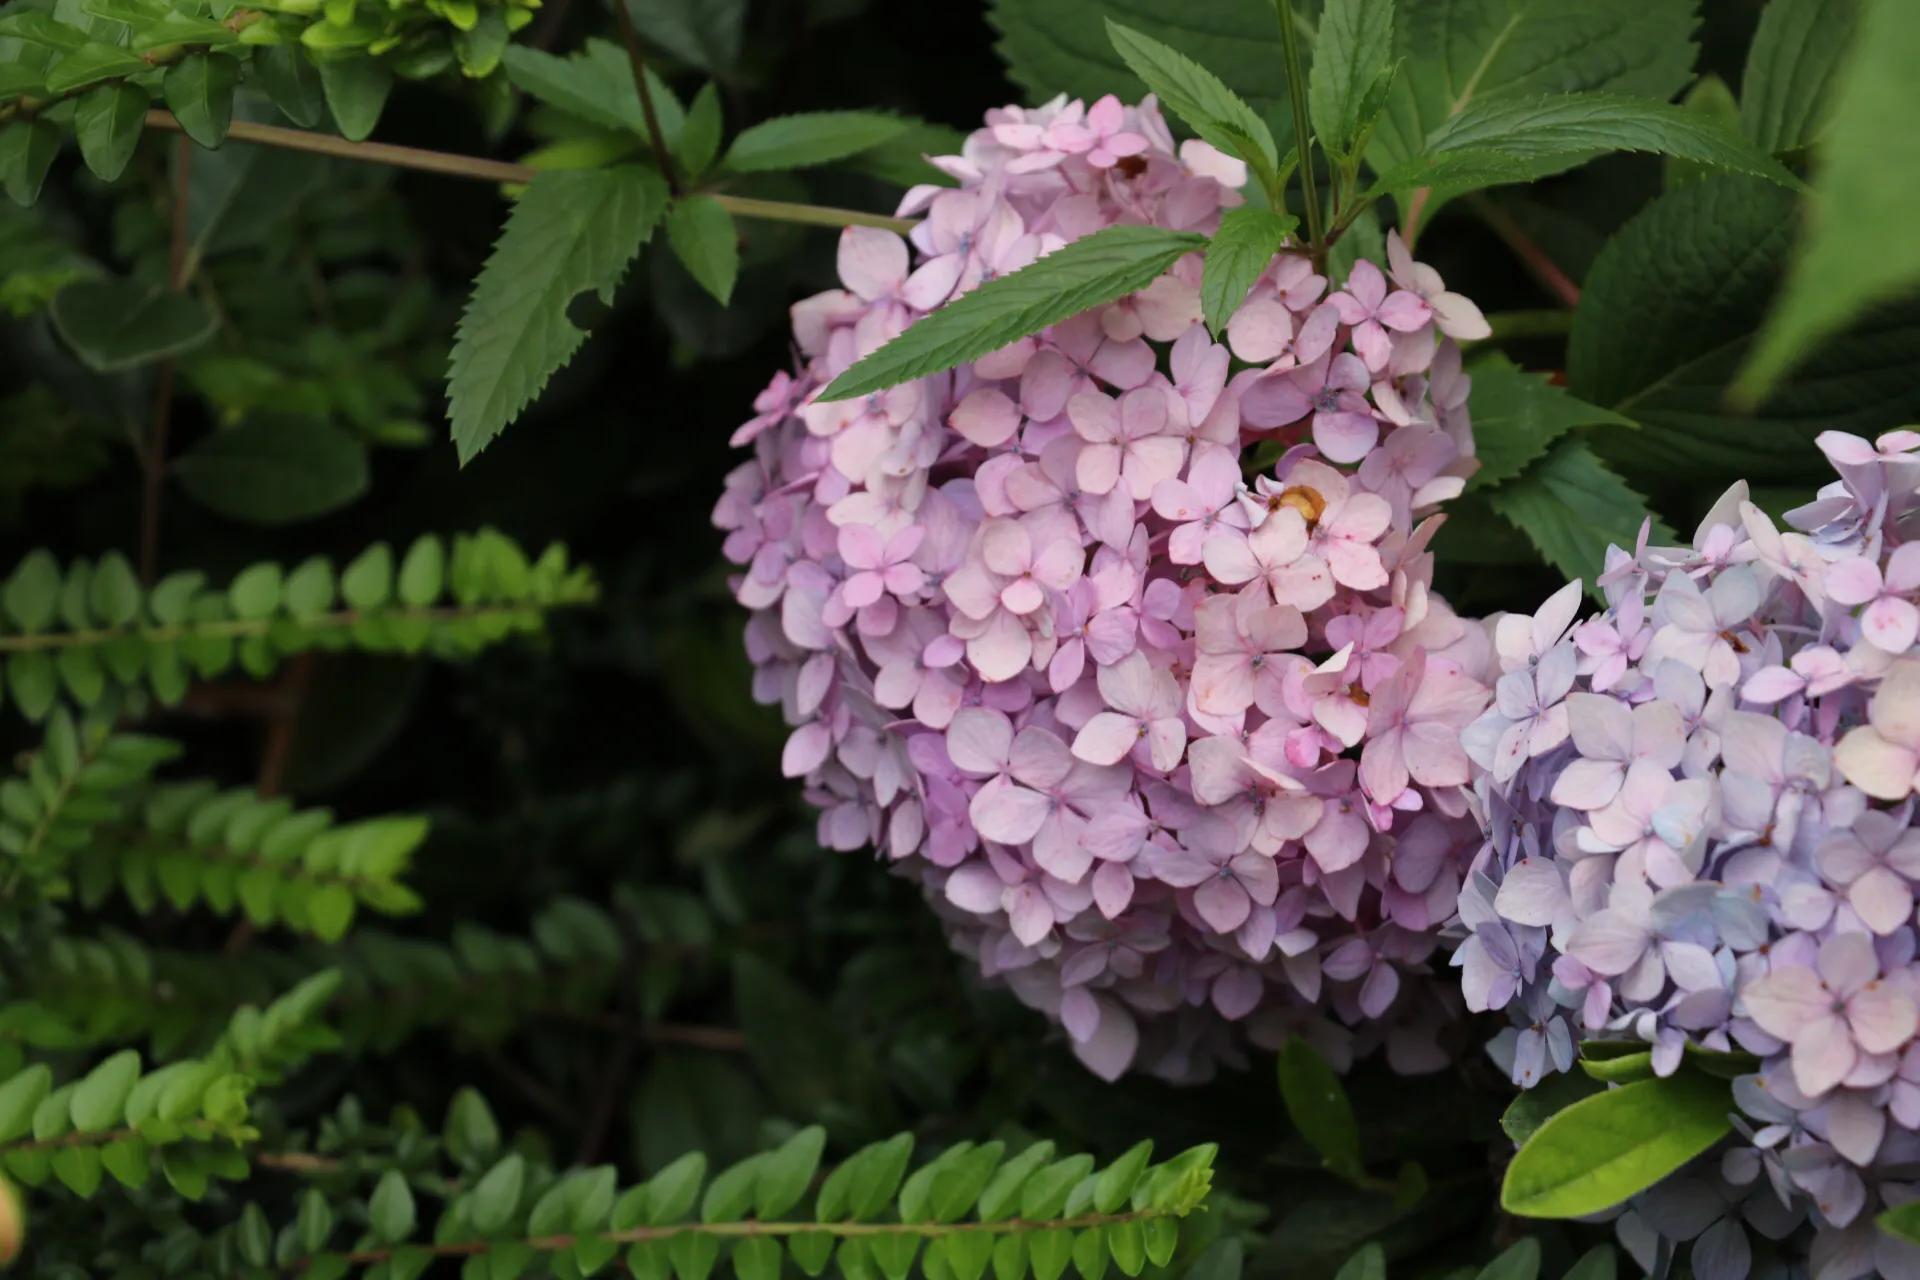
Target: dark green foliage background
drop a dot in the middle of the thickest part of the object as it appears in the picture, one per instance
(760, 983)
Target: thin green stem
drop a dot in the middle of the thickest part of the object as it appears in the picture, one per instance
(479, 168)
(237, 628)
(734, 1230)
(1302, 131)
(1508, 325)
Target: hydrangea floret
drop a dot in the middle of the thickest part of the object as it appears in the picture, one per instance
(1700, 806)
(1171, 738)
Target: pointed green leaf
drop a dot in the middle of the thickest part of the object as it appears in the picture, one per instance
(107, 123)
(1087, 273)
(568, 233)
(1240, 250)
(811, 138)
(120, 324)
(199, 91)
(706, 242)
(27, 149)
(275, 472)
(356, 90)
(1352, 50)
(1599, 1151)
(1793, 66)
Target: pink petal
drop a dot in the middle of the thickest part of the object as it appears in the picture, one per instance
(1787, 1001)
(978, 740)
(1222, 903)
(1006, 813)
(1610, 943)
(1533, 893)
(986, 416)
(1822, 1056)
(1883, 1017)
(1343, 436)
(1107, 738)
(873, 263)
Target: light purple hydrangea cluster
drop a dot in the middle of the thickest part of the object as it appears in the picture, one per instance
(1700, 807)
(1170, 749)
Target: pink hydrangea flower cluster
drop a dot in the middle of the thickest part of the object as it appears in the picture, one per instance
(1170, 749)
(1701, 807)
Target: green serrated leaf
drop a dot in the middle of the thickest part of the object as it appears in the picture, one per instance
(1352, 50)
(706, 242)
(811, 138)
(1240, 250)
(1087, 273)
(1518, 415)
(1522, 139)
(1571, 507)
(568, 233)
(595, 84)
(1202, 99)
(1793, 66)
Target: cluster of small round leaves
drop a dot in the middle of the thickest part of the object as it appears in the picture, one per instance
(1120, 639)
(1700, 810)
(972, 1207)
(88, 631)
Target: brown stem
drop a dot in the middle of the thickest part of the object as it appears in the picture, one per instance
(655, 135)
(480, 168)
(1538, 264)
(155, 460)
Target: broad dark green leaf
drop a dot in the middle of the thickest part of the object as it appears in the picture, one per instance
(1521, 139)
(1240, 250)
(1370, 1263)
(199, 91)
(1517, 415)
(1858, 248)
(1666, 317)
(1200, 98)
(1571, 507)
(356, 90)
(1458, 52)
(107, 123)
(1793, 67)
(275, 472)
(1599, 1151)
(567, 234)
(1521, 1261)
(707, 243)
(119, 324)
(811, 138)
(1317, 1104)
(790, 1037)
(1087, 273)
(292, 81)
(1062, 46)
(27, 149)
(90, 64)
(1350, 55)
(706, 33)
(1597, 1263)
(1535, 1106)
